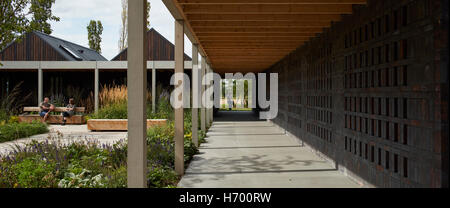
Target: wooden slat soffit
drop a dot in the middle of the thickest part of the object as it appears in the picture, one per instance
(252, 35)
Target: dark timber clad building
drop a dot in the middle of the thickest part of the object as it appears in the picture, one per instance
(37, 46)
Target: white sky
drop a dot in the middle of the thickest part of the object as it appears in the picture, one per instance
(76, 14)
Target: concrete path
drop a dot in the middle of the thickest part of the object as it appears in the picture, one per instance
(67, 134)
(257, 154)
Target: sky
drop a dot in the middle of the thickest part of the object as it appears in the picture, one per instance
(75, 16)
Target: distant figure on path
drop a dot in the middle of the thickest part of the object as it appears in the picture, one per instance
(70, 111)
(230, 102)
(45, 109)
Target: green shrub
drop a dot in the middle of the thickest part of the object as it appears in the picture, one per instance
(13, 131)
(161, 177)
(34, 172)
(4, 117)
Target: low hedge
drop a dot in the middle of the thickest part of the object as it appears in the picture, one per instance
(13, 130)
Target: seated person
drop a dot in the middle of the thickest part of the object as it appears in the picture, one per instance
(45, 109)
(70, 111)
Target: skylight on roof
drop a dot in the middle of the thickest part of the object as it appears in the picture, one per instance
(70, 52)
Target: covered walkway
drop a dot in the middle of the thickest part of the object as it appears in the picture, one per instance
(257, 154)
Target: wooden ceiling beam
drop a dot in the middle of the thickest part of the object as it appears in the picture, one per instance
(259, 24)
(264, 17)
(239, 2)
(268, 9)
(260, 30)
(254, 34)
(253, 39)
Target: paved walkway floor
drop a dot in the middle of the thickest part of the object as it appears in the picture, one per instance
(256, 154)
(67, 134)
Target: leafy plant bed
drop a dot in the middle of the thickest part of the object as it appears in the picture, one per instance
(88, 164)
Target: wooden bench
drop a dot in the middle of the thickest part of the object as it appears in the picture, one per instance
(118, 124)
(52, 119)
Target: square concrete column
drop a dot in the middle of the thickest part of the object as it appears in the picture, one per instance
(40, 84)
(153, 88)
(211, 110)
(202, 109)
(137, 88)
(179, 117)
(96, 86)
(210, 99)
(195, 94)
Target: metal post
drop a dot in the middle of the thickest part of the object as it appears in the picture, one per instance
(195, 94)
(153, 88)
(179, 120)
(40, 84)
(96, 86)
(137, 87)
(202, 110)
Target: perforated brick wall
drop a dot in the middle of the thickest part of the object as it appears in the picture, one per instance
(372, 93)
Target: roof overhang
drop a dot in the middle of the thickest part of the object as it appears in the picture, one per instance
(252, 35)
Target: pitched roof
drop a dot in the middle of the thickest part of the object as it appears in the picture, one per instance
(69, 50)
(158, 48)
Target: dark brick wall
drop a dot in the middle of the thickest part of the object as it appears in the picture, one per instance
(372, 93)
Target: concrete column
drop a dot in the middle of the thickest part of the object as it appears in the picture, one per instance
(203, 110)
(137, 87)
(179, 117)
(153, 88)
(211, 114)
(40, 84)
(206, 98)
(96, 86)
(195, 94)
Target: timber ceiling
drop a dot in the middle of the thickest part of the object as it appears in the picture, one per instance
(252, 35)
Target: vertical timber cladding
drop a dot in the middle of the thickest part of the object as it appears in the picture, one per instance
(365, 93)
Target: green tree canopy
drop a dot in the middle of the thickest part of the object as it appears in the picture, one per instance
(42, 14)
(15, 20)
(95, 30)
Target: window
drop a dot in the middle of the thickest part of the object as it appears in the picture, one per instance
(395, 163)
(395, 20)
(396, 132)
(405, 75)
(396, 107)
(372, 153)
(387, 159)
(405, 167)
(405, 134)
(360, 149)
(387, 130)
(386, 24)
(405, 108)
(404, 15)
(387, 53)
(387, 107)
(379, 156)
(345, 147)
(70, 52)
(366, 155)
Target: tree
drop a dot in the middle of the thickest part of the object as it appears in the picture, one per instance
(42, 14)
(13, 21)
(123, 40)
(95, 30)
(124, 29)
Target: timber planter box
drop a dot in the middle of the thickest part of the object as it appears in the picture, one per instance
(118, 124)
